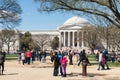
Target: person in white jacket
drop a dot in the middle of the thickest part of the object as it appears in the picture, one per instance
(100, 60)
(23, 57)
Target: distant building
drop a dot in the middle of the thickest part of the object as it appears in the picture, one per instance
(70, 34)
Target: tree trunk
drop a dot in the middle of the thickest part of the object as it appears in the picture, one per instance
(8, 49)
(92, 51)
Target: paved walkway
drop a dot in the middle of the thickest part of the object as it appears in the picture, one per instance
(44, 71)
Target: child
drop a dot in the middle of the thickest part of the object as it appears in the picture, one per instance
(63, 65)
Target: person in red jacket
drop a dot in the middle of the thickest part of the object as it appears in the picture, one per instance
(28, 56)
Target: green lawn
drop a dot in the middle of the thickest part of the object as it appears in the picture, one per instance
(91, 58)
(93, 61)
(11, 56)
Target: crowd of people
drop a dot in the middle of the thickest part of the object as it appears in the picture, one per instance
(59, 58)
(31, 56)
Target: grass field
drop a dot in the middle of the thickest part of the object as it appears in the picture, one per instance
(91, 58)
(11, 56)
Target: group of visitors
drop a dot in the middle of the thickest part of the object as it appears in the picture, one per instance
(59, 62)
(102, 59)
(25, 57)
(30, 56)
(114, 57)
(59, 59)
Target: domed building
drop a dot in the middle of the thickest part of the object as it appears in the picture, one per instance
(71, 32)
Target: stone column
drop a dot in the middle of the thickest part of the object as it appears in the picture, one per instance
(68, 39)
(82, 44)
(78, 39)
(60, 40)
(73, 38)
(64, 39)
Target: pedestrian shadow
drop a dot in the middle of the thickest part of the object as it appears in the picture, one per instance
(95, 74)
(42, 67)
(73, 74)
(88, 75)
(11, 74)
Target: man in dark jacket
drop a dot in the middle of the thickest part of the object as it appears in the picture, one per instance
(2, 60)
(83, 57)
(56, 63)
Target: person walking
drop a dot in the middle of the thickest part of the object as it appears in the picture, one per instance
(105, 53)
(101, 60)
(43, 59)
(28, 56)
(70, 54)
(2, 60)
(40, 55)
(23, 57)
(19, 57)
(83, 57)
(80, 58)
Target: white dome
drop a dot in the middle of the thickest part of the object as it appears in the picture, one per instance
(76, 20)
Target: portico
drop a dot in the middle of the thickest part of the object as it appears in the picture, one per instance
(71, 38)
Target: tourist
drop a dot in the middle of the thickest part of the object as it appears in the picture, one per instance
(83, 57)
(60, 56)
(63, 65)
(43, 59)
(113, 56)
(23, 57)
(19, 57)
(56, 63)
(80, 58)
(28, 56)
(70, 54)
(40, 55)
(2, 60)
(105, 53)
(101, 61)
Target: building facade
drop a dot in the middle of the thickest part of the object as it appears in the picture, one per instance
(70, 34)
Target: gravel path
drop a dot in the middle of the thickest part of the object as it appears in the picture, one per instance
(44, 71)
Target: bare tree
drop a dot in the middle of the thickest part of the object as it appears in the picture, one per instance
(42, 40)
(10, 12)
(105, 9)
(91, 38)
(55, 43)
(8, 38)
(114, 37)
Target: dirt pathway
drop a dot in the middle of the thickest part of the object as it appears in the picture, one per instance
(44, 71)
